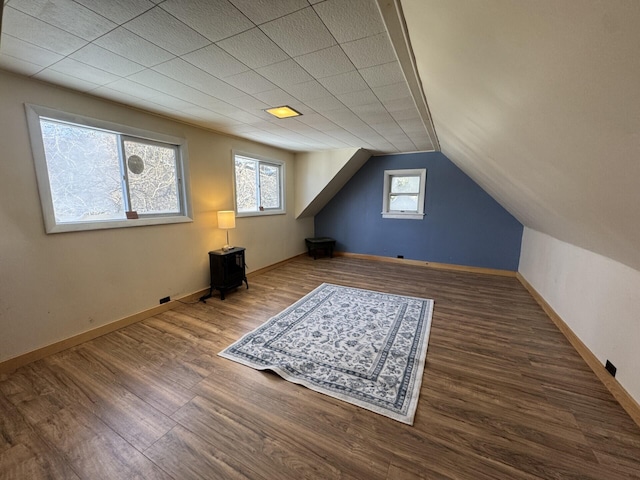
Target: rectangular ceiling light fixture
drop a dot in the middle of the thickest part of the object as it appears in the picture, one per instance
(283, 112)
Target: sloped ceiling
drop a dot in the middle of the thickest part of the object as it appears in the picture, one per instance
(220, 63)
(539, 102)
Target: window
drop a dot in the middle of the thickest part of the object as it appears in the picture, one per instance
(94, 174)
(404, 194)
(258, 185)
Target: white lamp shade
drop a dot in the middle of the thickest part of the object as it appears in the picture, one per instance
(226, 219)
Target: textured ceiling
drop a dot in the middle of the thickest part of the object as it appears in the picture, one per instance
(539, 102)
(219, 63)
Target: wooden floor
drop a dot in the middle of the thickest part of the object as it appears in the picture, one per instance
(504, 395)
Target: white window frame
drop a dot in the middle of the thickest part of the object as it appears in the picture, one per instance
(399, 214)
(36, 112)
(260, 159)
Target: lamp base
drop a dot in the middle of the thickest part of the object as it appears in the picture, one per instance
(227, 247)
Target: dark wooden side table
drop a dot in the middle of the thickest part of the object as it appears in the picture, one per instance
(325, 244)
(227, 270)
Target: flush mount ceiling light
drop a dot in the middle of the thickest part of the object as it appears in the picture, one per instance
(283, 112)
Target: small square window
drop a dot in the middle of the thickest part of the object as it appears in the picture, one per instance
(259, 186)
(403, 194)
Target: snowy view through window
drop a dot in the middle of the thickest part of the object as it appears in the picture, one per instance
(86, 174)
(257, 185)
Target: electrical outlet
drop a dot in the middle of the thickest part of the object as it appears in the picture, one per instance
(165, 300)
(611, 368)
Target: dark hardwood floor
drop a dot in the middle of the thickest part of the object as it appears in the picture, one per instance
(504, 395)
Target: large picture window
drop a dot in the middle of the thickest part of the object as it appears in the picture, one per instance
(403, 194)
(258, 185)
(94, 174)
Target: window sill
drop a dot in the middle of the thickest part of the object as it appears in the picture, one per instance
(260, 214)
(107, 224)
(404, 216)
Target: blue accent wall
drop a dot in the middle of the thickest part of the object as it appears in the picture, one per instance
(463, 225)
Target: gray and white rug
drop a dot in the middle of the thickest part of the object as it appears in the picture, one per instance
(366, 348)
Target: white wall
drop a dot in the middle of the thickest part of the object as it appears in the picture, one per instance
(598, 298)
(55, 286)
(317, 171)
(538, 102)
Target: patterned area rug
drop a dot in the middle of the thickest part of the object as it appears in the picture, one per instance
(363, 347)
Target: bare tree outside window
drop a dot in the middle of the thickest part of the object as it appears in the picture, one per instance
(86, 174)
(94, 174)
(246, 185)
(269, 186)
(258, 185)
(155, 188)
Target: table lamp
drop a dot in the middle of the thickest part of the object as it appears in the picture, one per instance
(226, 221)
